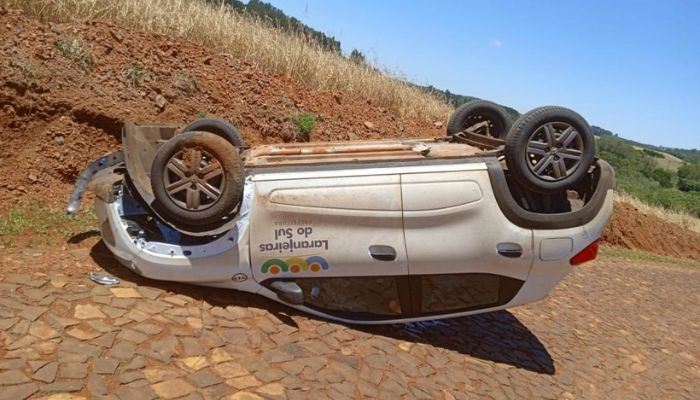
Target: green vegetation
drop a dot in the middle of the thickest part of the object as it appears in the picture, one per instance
(639, 255)
(200, 115)
(306, 123)
(76, 50)
(637, 174)
(134, 74)
(42, 222)
(689, 177)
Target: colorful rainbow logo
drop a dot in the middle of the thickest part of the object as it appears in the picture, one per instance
(294, 265)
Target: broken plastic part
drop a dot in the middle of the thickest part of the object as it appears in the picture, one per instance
(103, 279)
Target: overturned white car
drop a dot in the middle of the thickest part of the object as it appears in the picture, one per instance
(363, 231)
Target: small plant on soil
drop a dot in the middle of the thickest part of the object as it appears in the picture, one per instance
(200, 115)
(306, 122)
(76, 50)
(185, 83)
(134, 74)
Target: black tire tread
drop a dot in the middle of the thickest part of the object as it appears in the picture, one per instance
(217, 127)
(456, 121)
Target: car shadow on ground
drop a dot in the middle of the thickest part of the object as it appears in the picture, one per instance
(497, 336)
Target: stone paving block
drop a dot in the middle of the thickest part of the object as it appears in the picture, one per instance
(128, 377)
(105, 365)
(129, 293)
(63, 386)
(230, 369)
(122, 351)
(72, 370)
(148, 328)
(173, 388)
(7, 323)
(106, 340)
(204, 378)
(88, 311)
(21, 328)
(14, 377)
(19, 392)
(133, 393)
(194, 363)
(42, 331)
(113, 312)
(20, 343)
(138, 362)
(31, 313)
(150, 293)
(36, 364)
(81, 333)
(243, 382)
(46, 373)
(123, 302)
(12, 363)
(101, 326)
(159, 374)
(244, 395)
(96, 385)
(132, 336)
(191, 347)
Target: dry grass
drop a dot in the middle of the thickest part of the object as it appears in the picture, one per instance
(251, 40)
(683, 219)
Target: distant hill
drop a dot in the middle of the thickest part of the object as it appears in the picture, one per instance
(458, 99)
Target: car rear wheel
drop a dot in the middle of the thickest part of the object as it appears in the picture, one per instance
(218, 127)
(484, 117)
(197, 179)
(550, 149)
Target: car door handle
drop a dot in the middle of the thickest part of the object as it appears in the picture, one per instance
(382, 253)
(510, 250)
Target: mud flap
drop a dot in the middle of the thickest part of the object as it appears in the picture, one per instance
(87, 175)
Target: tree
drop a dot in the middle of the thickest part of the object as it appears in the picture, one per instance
(689, 177)
(357, 57)
(664, 177)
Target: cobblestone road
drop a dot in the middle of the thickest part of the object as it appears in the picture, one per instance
(611, 330)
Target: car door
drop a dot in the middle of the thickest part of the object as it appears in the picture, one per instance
(339, 238)
(463, 254)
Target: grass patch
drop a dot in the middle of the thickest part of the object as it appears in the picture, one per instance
(76, 50)
(639, 255)
(217, 26)
(306, 123)
(134, 74)
(43, 224)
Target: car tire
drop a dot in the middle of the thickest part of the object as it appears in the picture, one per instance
(476, 111)
(217, 127)
(549, 149)
(197, 195)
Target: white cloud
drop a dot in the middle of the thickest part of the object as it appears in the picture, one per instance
(495, 42)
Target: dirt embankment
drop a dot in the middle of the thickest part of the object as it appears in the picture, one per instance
(633, 229)
(57, 113)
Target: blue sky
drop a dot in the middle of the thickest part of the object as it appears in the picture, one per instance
(630, 67)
